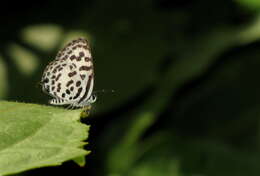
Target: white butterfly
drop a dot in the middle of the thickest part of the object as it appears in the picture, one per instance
(69, 79)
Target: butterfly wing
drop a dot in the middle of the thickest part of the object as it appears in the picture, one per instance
(80, 57)
(55, 78)
(71, 75)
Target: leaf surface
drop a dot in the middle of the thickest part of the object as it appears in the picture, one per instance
(33, 136)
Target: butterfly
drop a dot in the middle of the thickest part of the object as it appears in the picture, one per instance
(69, 78)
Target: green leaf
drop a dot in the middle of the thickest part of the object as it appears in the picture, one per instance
(81, 161)
(33, 136)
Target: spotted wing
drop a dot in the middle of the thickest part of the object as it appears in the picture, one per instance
(80, 57)
(55, 78)
(72, 49)
(75, 81)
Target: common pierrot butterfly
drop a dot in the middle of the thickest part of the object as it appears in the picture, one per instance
(69, 78)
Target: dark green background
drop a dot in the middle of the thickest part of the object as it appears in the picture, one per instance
(185, 76)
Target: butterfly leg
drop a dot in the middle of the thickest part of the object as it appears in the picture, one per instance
(85, 112)
(70, 107)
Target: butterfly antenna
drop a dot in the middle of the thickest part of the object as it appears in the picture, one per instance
(103, 91)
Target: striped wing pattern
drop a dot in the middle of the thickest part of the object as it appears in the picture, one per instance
(69, 79)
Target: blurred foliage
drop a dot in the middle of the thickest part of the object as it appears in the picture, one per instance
(186, 98)
(250, 4)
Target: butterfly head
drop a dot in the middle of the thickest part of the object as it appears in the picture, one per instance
(92, 98)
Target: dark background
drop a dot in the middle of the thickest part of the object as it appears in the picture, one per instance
(185, 76)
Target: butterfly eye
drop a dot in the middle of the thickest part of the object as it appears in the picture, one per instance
(93, 98)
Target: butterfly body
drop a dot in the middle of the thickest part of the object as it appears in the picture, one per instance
(69, 79)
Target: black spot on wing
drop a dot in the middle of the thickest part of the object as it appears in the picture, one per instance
(78, 93)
